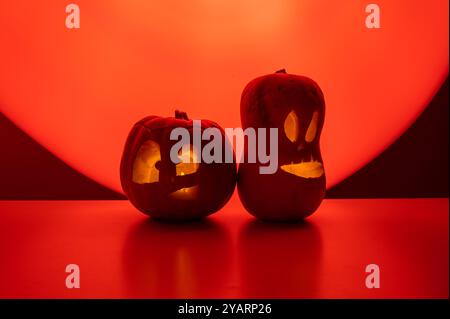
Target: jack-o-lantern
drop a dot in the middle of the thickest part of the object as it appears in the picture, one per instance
(295, 106)
(167, 190)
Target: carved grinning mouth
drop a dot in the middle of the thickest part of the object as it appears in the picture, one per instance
(305, 169)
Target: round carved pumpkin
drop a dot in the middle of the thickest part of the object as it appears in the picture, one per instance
(295, 106)
(163, 189)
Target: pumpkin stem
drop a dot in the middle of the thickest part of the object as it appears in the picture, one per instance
(281, 71)
(181, 115)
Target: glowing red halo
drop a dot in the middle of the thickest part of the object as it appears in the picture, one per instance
(78, 92)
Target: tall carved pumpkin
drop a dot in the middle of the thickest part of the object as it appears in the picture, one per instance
(295, 106)
(173, 191)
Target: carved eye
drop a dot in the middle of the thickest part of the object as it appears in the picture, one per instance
(144, 170)
(188, 165)
(291, 126)
(312, 128)
(189, 162)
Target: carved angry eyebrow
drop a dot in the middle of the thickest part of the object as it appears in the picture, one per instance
(312, 128)
(291, 127)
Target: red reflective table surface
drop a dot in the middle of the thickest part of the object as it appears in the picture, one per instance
(123, 254)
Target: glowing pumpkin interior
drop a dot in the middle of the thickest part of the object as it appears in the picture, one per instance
(144, 168)
(188, 165)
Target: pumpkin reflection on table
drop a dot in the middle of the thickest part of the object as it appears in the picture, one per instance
(177, 260)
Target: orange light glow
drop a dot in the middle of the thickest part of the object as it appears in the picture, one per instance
(291, 126)
(79, 91)
(144, 168)
(188, 165)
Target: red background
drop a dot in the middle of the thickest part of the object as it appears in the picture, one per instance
(121, 252)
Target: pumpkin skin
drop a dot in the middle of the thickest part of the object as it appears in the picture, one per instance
(295, 106)
(168, 191)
